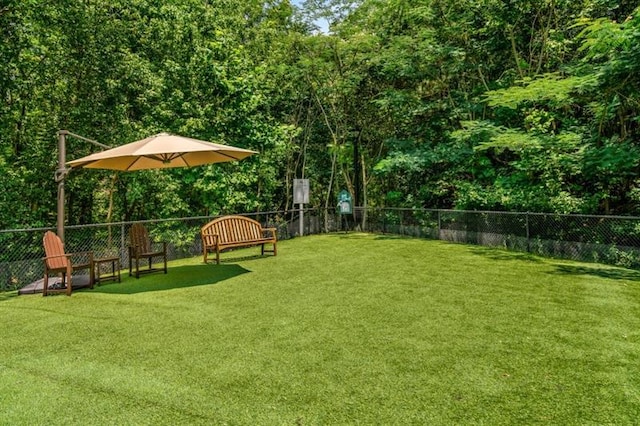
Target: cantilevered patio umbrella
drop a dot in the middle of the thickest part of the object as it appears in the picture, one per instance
(160, 152)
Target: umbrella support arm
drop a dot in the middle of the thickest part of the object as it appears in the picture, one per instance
(62, 172)
(66, 132)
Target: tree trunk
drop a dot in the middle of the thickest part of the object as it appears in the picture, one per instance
(364, 193)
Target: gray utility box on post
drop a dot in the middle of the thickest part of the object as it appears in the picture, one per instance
(300, 197)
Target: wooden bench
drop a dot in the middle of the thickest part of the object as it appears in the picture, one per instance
(235, 231)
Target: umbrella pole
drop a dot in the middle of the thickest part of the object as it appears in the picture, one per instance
(60, 176)
(62, 171)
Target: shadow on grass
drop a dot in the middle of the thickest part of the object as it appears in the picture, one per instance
(393, 237)
(238, 258)
(176, 277)
(357, 235)
(8, 295)
(606, 272)
(348, 234)
(611, 273)
(495, 253)
(603, 272)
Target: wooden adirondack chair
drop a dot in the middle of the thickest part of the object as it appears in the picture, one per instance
(141, 247)
(59, 262)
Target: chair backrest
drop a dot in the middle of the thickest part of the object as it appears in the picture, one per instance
(140, 238)
(54, 251)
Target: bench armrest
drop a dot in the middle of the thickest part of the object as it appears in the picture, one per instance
(206, 235)
(271, 230)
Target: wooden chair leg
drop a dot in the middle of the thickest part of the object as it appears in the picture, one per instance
(69, 288)
(69, 272)
(92, 276)
(130, 261)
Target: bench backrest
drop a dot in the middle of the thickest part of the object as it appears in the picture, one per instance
(54, 251)
(139, 237)
(232, 228)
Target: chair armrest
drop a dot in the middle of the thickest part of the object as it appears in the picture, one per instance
(78, 260)
(136, 249)
(82, 253)
(56, 256)
(88, 254)
(133, 249)
(154, 244)
(81, 259)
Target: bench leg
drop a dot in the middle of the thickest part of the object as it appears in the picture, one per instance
(274, 251)
(217, 255)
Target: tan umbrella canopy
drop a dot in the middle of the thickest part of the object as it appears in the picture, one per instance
(160, 152)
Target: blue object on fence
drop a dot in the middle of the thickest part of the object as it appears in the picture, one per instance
(345, 203)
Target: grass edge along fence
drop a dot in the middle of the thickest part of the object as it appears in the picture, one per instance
(612, 240)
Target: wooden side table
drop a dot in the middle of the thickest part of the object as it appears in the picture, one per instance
(115, 269)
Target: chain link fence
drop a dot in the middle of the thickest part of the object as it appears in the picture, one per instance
(22, 252)
(613, 240)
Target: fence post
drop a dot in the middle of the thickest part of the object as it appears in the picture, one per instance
(122, 252)
(439, 225)
(384, 222)
(526, 215)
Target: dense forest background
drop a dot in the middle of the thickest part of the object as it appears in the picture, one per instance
(520, 105)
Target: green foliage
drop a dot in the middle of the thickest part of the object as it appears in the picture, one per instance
(119, 71)
(554, 90)
(539, 171)
(440, 103)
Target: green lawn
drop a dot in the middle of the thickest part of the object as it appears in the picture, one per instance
(337, 329)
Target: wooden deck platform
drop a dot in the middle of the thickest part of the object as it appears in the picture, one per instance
(78, 282)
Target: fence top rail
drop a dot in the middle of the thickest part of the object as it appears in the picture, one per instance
(102, 225)
(285, 212)
(10, 231)
(576, 215)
